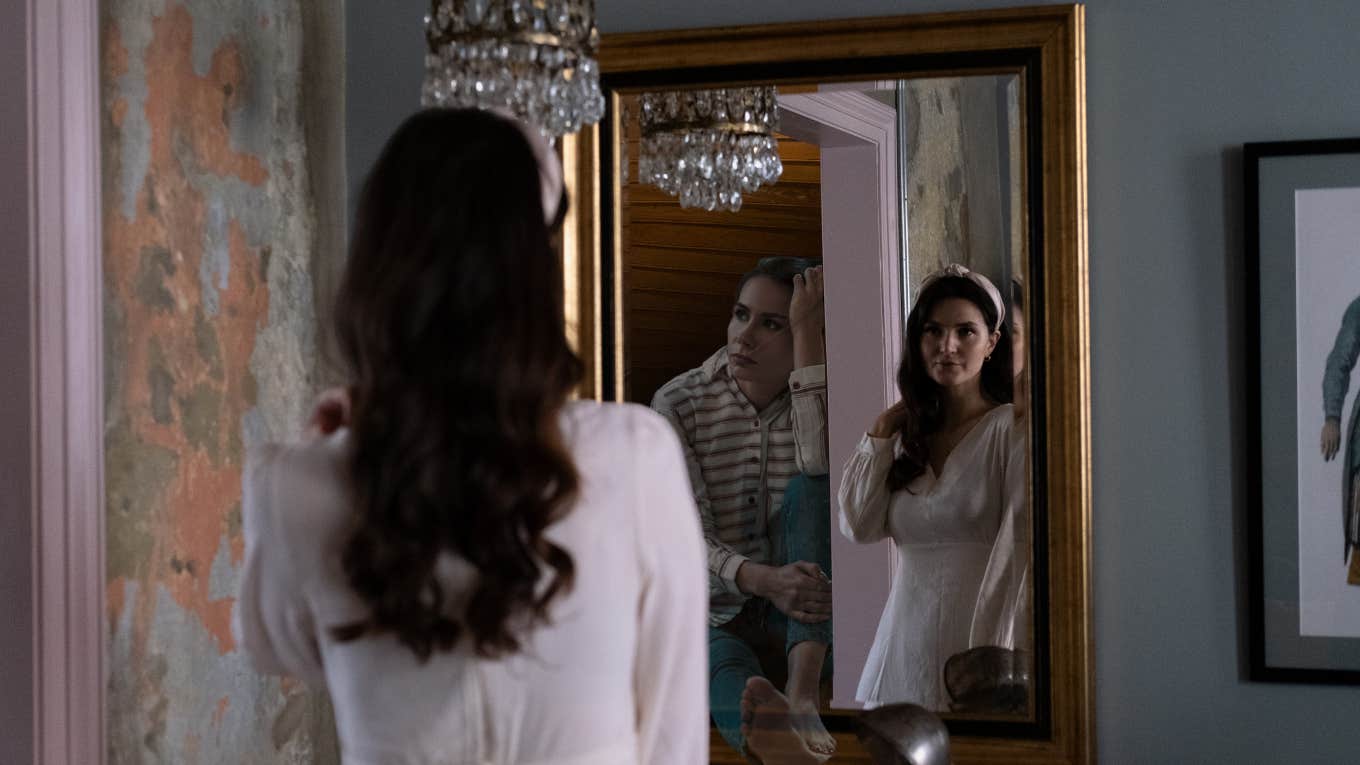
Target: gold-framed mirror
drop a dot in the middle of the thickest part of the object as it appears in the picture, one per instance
(1016, 72)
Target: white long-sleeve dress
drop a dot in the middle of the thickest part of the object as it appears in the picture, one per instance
(962, 541)
(619, 675)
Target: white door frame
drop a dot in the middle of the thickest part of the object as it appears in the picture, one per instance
(860, 210)
(64, 361)
(846, 111)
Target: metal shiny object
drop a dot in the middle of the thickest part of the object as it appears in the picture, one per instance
(989, 680)
(904, 734)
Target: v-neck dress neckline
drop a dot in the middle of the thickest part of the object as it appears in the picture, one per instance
(944, 529)
(973, 432)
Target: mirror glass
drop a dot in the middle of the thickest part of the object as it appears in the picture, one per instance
(775, 389)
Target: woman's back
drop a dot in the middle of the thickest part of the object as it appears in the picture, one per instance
(617, 675)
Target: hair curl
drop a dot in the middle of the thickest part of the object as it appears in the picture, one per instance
(922, 411)
(449, 319)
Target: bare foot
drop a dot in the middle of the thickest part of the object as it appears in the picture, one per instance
(767, 723)
(807, 723)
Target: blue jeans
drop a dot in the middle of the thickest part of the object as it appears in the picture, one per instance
(758, 639)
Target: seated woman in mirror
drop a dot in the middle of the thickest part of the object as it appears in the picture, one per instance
(942, 473)
(752, 422)
(475, 568)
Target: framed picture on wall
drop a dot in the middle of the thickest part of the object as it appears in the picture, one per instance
(1303, 342)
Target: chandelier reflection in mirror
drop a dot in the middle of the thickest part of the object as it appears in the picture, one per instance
(708, 147)
(535, 58)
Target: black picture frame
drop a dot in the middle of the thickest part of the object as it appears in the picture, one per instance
(1273, 174)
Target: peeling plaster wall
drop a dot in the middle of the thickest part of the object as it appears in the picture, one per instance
(217, 197)
(960, 196)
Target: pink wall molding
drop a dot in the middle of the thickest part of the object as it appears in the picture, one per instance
(67, 413)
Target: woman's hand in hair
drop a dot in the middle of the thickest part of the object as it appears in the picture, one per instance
(330, 414)
(807, 309)
(886, 424)
(807, 318)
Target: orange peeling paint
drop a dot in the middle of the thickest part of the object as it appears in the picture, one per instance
(118, 111)
(115, 63)
(188, 116)
(221, 711)
(192, 744)
(114, 596)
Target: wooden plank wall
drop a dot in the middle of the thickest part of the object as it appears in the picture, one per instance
(681, 267)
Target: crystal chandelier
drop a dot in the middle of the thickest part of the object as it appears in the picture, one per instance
(535, 58)
(709, 146)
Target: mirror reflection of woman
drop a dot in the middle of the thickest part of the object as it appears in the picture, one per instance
(476, 568)
(752, 420)
(1018, 328)
(942, 474)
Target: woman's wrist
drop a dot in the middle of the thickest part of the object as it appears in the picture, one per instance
(809, 347)
(749, 578)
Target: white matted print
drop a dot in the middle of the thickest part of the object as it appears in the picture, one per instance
(1327, 225)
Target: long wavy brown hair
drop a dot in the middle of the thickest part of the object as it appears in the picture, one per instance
(449, 319)
(922, 411)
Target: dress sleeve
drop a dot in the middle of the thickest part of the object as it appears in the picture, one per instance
(273, 621)
(1341, 361)
(723, 561)
(1003, 611)
(864, 495)
(807, 386)
(670, 673)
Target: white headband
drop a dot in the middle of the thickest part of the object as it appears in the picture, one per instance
(954, 269)
(549, 167)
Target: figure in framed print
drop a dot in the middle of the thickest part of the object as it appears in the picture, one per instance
(1303, 327)
(1326, 242)
(1335, 382)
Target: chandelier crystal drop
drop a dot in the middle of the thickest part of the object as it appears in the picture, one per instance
(535, 58)
(708, 147)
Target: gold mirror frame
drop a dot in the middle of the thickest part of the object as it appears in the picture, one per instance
(1052, 39)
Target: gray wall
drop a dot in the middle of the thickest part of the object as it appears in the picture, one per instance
(16, 371)
(1173, 89)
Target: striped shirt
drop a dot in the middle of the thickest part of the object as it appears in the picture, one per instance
(739, 462)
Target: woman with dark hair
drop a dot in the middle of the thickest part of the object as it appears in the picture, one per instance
(1019, 348)
(752, 422)
(942, 473)
(476, 569)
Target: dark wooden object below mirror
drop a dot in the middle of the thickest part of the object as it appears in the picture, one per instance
(1049, 43)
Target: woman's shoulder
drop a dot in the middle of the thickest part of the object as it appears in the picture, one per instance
(626, 425)
(998, 422)
(297, 490)
(693, 384)
(1002, 415)
(619, 447)
(1006, 427)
